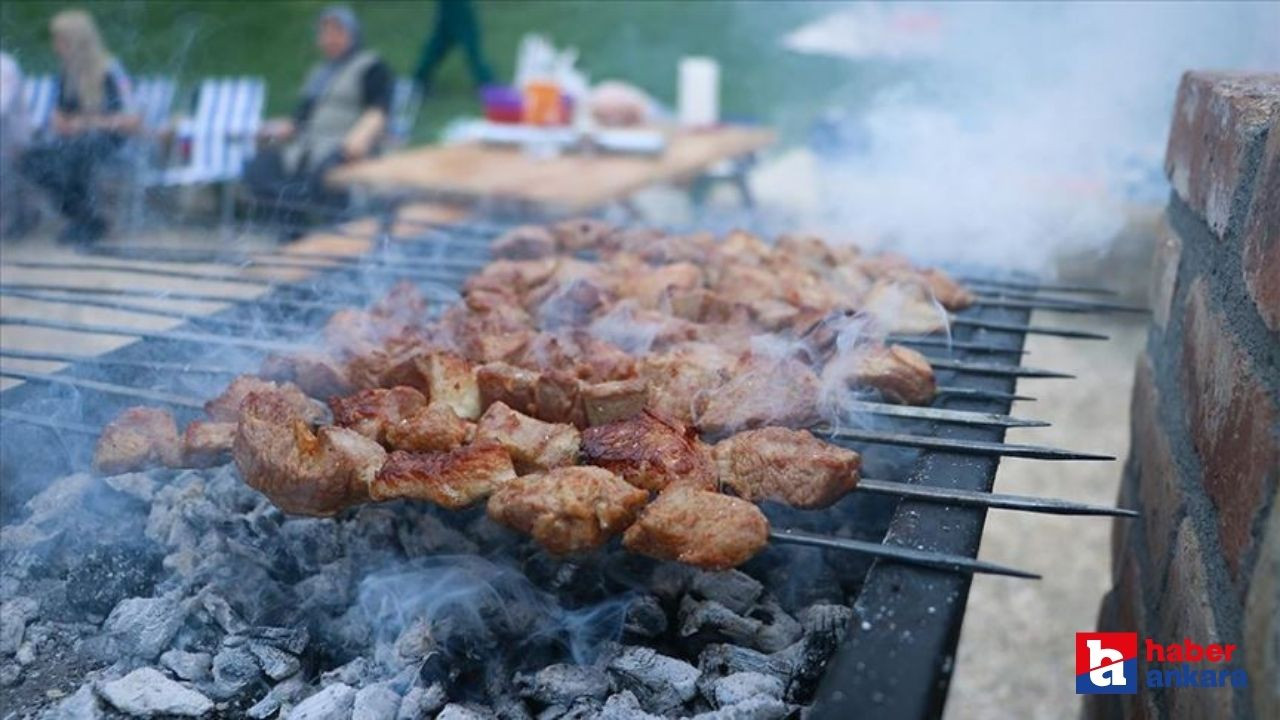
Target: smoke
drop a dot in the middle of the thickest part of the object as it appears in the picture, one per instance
(1028, 130)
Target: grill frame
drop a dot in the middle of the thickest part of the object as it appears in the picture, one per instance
(878, 671)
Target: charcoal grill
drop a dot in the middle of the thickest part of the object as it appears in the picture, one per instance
(897, 657)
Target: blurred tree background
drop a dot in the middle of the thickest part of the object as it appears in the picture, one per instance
(639, 41)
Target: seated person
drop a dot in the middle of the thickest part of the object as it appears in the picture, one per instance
(90, 123)
(341, 117)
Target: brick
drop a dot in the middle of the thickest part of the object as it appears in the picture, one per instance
(1220, 120)
(1164, 274)
(1186, 612)
(1230, 415)
(1262, 622)
(1261, 251)
(1160, 495)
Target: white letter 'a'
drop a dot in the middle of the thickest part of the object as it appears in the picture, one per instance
(1110, 673)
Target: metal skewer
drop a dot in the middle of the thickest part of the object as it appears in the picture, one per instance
(976, 394)
(992, 369)
(1034, 286)
(930, 341)
(1055, 304)
(956, 496)
(228, 323)
(1027, 329)
(957, 417)
(155, 396)
(174, 335)
(964, 447)
(898, 553)
(177, 367)
(257, 301)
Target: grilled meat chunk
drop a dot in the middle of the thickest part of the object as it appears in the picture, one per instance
(226, 407)
(787, 466)
(301, 471)
(453, 480)
(762, 391)
(372, 412)
(534, 445)
(699, 527)
(680, 378)
(318, 375)
(434, 428)
(904, 307)
(617, 400)
(206, 444)
(650, 452)
(138, 438)
(567, 510)
(580, 233)
(526, 242)
(901, 374)
(506, 383)
(443, 377)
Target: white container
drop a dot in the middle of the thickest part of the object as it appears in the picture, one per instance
(699, 92)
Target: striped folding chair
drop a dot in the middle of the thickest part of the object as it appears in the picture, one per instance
(39, 94)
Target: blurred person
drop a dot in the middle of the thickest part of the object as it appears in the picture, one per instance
(16, 213)
(455, 24)
(90, 123)
(341, 116)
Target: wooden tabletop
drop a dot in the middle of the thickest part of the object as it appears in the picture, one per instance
(567, 183)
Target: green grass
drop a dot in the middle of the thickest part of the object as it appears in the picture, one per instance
(639, 41)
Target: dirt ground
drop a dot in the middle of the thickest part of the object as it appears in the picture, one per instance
(1016, 657)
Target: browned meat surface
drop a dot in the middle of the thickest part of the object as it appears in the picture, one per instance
(567, 510)
(558, 398)
(534, 445)
(588, 357)
(301, 471)
(580, 233)
(762, 391)
(453, 480)
(650, 452)
(950, 293)
(443, 377)
(206, 444)
(901, 374)
(700, 528)
(904, 307)
(372, 412)
(648, 286)
(434, 428)
(526, 242)
(786, 466)
(318, 375)
(138, 438)
(680, 379)
(506, 383)
(226, 407)
(609, 401)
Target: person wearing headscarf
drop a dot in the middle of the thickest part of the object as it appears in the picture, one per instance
(90, 122)
(341, 116)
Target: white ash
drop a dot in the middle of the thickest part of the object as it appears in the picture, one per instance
(393, 611)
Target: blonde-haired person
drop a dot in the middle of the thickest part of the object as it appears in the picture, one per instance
(90, 122)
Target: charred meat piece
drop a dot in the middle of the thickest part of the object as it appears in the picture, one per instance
(699, 527)
(567, 510)
(650, 452)
(206, 444)
(371, 412)
(786, 466)
(901, 374)
(434, 428)
(506, 383)
(138, 438)
(534, 445)
(558, 398)
(301, 471)
(526, 242)
(443, 377)
(762, 391)
(453, 480)
(226, 407)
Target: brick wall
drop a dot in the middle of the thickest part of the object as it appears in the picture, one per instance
(1203, 561)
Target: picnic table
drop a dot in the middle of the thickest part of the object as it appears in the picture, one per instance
(566, 184)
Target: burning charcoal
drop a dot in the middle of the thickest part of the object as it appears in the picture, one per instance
(420, 702)
(291, 640)
(428, 535)
(739, 687)
(79, 705)
(453, 711)
(140, 486)
(146, 692)
(734, 589)
(276, 663)
(804, 579)
(313, 542)
(756, 708)
(143, 627)
(328, 591)
(105, 575)
(187, 665)
(661, 683)
(671, 580)
(223, 614)
(562, 684)
(645, 617)
(14, 616)
(334, 702)
(777, 629)
(235, 669)
(826, 619)
(703, 621)
(354, 673)
(624, 706)
(721, 660)
(10, 674)
(282, 695)
(375, 702)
